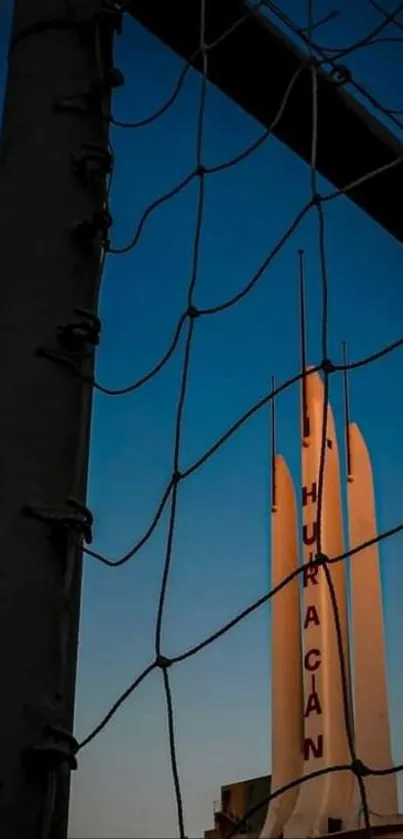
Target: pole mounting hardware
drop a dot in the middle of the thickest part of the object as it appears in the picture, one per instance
(73, 518)
(57, 747)
(92, 160)
(75, 337)
(81, 100)
(112, 13)
(85, 230)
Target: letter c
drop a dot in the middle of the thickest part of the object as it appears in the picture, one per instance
(308, 663)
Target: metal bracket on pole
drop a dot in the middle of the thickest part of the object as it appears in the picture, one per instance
(92, 160)
(85, 230)
(112, 13)
(77, 336)
(73, 518)
(77, 341)
(81, 100)
(58, 747)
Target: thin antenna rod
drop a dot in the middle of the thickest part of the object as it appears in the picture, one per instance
(302, 314)
(346, 408)
(273, 445)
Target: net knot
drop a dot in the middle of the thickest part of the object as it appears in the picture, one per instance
(320, 559)
(328, 366)
(163, 662)
(176, 477)
(359, 768)
(193, 312)
(201, 171)
(316, 199)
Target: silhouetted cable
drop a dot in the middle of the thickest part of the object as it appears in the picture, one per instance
(172, 751)
(369, 39)
(391, 39)
(115, 707)
(362, 180)
(385, 14)
(122, 391)
(115, 563)
(239, 158)
(141, 123)
(172, 193)
(213, 310)
(369, 359)
(243, 419)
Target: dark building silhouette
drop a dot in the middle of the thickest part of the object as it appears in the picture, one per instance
(236, 800)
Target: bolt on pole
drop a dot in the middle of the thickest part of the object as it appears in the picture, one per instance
(54, 223)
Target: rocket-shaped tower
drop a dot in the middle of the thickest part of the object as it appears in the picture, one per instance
(319, 706)
(372, 733)
(286, 694)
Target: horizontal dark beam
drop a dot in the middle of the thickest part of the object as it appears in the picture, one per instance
(254, 65)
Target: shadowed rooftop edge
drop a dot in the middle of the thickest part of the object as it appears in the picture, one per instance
(254, 65)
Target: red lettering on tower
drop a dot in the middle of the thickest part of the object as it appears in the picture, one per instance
(309, 493)
(309, 538)
(307, 426)
(315, 748)
(310, 574)
(313, 701)
(312, 660)
(311, 616)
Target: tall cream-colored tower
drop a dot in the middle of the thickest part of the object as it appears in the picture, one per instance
(372, 734)
(286, 665)
(316, 702)
(325, 742)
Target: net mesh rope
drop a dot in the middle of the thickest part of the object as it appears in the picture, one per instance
(316, 57)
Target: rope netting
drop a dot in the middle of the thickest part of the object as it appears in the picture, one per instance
(186, 329)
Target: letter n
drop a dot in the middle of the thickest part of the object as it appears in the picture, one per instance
(315, 748)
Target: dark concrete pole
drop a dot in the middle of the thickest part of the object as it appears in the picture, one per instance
(53, 171)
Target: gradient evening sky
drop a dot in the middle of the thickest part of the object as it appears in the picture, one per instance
(221, 562)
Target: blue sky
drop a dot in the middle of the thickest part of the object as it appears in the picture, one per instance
(221, 551)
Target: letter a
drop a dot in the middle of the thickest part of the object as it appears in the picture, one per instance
(311, 616)
(313, 704)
